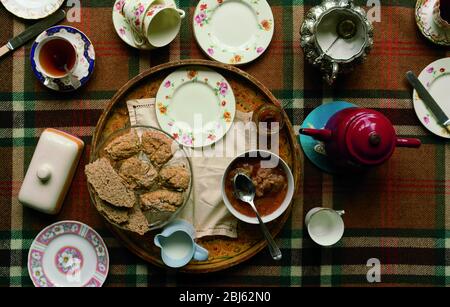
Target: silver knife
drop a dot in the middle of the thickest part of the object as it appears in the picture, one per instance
(429, 101)
(32, 32)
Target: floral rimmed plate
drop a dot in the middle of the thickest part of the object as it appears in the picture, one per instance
(86, 57)
(233, 31)
(426, 24)
(32, 9)
(196, 106)
(436, 78)
(68, 254)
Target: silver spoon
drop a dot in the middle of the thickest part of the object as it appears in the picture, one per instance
(245, 190)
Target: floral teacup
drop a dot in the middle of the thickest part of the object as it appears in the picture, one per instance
(162, 22)
(134, 11)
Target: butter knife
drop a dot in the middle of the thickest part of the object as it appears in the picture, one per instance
(429, 101)
(32, 32)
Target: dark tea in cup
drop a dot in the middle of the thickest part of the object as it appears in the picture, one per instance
(57, 57)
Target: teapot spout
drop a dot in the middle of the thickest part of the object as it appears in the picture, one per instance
(323, 135)
(410, 143)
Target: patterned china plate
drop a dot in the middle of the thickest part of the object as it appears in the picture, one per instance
(123, 27)
(233, 31)
(436, 78)
(196, 106)
(86, 57)
(32, 9)
(426, 24)
(68, 254)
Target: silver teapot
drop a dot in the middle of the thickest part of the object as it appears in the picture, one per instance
(336, 36)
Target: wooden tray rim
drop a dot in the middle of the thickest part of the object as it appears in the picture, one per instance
(199, 267)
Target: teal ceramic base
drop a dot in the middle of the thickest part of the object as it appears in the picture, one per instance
(317, 119)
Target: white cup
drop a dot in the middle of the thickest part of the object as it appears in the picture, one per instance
(162, 22)
(44, 71)
(134, 11)
(325, 226)
(48, 75)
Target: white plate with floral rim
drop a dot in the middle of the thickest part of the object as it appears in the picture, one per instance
(233, 31)
(436, 79)
(86, 58)
(123, 27)
(68, 254)
(32, 9)
(427, 25)
(196, 106)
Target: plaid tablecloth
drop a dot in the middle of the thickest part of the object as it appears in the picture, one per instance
(399, 213)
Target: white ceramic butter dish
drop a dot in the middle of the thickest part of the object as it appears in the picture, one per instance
(51, 171)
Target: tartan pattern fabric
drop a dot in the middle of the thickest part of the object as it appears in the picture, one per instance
(398, 213)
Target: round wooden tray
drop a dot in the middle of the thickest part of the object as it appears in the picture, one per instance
(250, 93)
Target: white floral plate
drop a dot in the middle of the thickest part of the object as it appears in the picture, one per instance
(196, 106)
(36, 9)
(233, 31)
(426, 24)
(86, 57)
(123, 27)
(68, 254)
(436, 78)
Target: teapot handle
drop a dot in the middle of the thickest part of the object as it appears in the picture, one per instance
(411, 143)
(334, 72)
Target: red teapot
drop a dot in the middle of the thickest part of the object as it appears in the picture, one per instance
(358, 138)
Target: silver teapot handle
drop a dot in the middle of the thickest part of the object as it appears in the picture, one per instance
(330, 78)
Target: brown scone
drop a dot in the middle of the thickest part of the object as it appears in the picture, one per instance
(176, 177)
(138, 173)
(108, 184)
(124, 146)
(162, 200)
(157, 146)
(137, 222)
(114, 214)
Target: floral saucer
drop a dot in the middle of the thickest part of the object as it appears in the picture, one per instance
(123, 28)
(196, 106)
(233, 31)
(436, 79)
(68, 254)
(427, 25)
(86, 58)
(317, 119)
(32, 9)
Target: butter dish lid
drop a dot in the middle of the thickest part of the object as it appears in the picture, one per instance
(50, 171)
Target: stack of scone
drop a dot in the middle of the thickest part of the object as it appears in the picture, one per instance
(136, 181)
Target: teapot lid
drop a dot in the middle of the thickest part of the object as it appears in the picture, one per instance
(370, 138)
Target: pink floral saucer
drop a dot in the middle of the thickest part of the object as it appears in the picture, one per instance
(68, 254)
